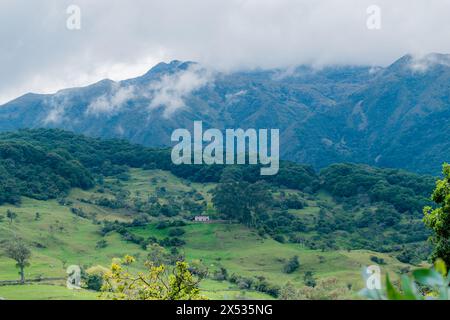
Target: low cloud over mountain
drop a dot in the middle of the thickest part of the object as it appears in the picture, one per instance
(119, 40)
(380, 116)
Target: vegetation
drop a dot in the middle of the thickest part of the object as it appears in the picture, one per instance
(309, 280)
(326, 289)
(18, 251)
(266, 231)
(425, 283)
(242, 201)
(438, 219)
(94, 282)
(292, 265)
(156, 283)
(11, 215)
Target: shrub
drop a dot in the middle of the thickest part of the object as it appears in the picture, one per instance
(94, 282)
(172, 242)
(162, 225)
(377, 260)
(309, 280)
(101, 244)
(279, 238)
(176, 232)
(292, 265)
(220, 275)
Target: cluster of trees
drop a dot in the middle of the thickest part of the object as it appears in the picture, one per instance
(362, 221)
(257, 283)
(292, 265)
(404, 191)
(242, 201)
(123, 228)
(28, 170)
(45, 163)
(438, 219)
(380, 207)
(158, 282)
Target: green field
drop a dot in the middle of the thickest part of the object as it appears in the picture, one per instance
(59, 239)
(45, 292)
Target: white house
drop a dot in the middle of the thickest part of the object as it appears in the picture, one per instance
(201, 218)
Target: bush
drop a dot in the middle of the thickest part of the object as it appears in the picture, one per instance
(177, 232)
(309, 280)
(221, 274)
(177, 223)
(101, 244)
(279, 238)
(94, 282)
(162, 225)
(172, 242)
(294, 202)
(168, 210)
(292, 265)
(377, 260)
(405, 256)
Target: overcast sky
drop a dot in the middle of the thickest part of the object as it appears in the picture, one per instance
(124, 38)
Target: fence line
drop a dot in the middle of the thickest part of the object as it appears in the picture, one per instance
(17, 282)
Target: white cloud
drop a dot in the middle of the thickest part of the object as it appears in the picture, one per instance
(120, 130)
(423, 63)
(113, 102)
(54, 116)
(171, 90)
(232, 98)
(120, 39)
(56, 108)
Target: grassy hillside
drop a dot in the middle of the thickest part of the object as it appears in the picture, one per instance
(84, 201)
(60, 238)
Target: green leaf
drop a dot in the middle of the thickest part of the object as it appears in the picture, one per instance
(371, 294)
(429, 277)
(392, 293)
(409, 288)
(443, 293)
(439, 266)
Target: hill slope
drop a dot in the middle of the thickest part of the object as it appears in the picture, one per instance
(136, 199)
(379, 116)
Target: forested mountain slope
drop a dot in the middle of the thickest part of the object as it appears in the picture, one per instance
(379, 116)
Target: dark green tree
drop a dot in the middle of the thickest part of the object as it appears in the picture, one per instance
(17, 250)
(438, 219)
(11, 215)
(292, 265)
(94, 282)
(309, 279)
(242, 201)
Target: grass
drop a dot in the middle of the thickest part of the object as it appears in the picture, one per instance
(45, 292)
(243, 252)
(59, 239)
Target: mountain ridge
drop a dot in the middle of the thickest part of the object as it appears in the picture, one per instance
(380, 116)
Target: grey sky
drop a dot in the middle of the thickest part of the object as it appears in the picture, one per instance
(124, 38)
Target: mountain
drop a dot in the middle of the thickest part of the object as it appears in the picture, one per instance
(403, 115)
(397, 116)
